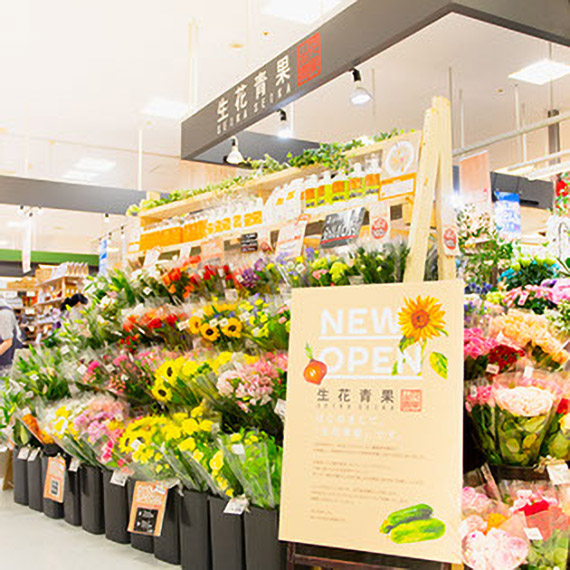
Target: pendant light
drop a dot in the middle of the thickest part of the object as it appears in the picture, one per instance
(285, 130)
(235, 156)
(360, 95)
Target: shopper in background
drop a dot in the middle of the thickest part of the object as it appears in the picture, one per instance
(9, 338)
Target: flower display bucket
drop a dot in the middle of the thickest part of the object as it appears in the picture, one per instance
(116, 503)
(167, 545)
(20, 477)
(52, 509)
(35, 484)
(138, 541)
(263, 551)
(226, 531)
(72, 498)
(195, 547)
(92, 511)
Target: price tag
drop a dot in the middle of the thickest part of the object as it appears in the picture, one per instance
(236, 506)
(33, 454)
(147, 291)
(74, 465)
(528, 371)
(119, 478)
(231, 295)
(533, 533)
(82, 369)
(238, 449)
(185, 250)
(65, 350)
(182, 325)
(280, 408)
(24, 453)
(342, 228)
(559, 473)
(493, 369)
(147, 509)
(290, 238)
(379, 222)
(54, 486)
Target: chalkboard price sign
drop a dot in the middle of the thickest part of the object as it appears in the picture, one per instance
(342, 228)
(248, 242)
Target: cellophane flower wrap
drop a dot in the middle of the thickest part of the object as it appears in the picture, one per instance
(267, 322)
(255, 460)
(541, 505)
(491, 537)
(533, 333)
(480, 404)
(556, 444)
(191, 448)
(524, 408)
(99, 425)
(58, 421)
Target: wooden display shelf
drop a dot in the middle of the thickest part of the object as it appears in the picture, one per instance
(260, 187)
(51, 302)
(61, 278)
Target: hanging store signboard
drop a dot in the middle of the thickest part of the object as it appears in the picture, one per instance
(359, 32)
(373, 438)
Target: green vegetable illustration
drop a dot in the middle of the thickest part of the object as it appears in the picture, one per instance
(413, 524)
(418, 531)
(406, 515)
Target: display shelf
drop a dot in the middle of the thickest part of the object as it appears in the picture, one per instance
(51, 302)
(61, 278)
(261, 187)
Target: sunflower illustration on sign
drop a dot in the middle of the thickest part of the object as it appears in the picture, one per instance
(422, 319)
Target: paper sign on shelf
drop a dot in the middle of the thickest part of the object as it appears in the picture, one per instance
(374, 419)
(151, 256)
(54, 486)
(379, 222)
(74, 465)
(33, 454)
(290, 239)
(342, 228)
(24, 453)
(248, 242)
(559, 473)
(475, 182)
(400, 160)
(147, 511)
(212, 249)
(185, 250)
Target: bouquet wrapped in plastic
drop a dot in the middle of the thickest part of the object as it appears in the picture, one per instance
(547, 524)
(524, 410)
(255, 460)
(492, 538)
(556, 444)
(267, 322)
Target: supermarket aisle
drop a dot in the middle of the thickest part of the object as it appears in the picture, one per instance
(31, 541)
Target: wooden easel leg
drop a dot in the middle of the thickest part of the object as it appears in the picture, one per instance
(290, 556)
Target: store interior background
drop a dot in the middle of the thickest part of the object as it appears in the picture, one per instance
(87, 87)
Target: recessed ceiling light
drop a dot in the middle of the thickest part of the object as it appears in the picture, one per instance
(15, 224)
(165, 108)
(80, 175)
(4, 242)
(299, 11)
(236, 45)
(542, 72)
(95, 164)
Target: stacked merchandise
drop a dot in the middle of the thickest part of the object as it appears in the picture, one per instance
(174, 375)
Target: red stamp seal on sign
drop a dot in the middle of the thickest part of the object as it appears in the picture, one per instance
(379, 228)
(411, 401)
(450, 238)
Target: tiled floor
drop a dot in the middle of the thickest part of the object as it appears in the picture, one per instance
(31, 541)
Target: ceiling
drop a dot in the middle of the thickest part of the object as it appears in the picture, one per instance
(405, 77)
(77, 75)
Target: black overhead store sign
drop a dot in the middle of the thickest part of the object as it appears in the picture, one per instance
(361, 31)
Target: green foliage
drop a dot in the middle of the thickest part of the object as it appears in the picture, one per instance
(485, 254)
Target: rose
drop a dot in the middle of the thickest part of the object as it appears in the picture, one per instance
(527, 401)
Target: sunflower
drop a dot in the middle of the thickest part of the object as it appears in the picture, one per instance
(169, 370)
(161, 392)
(209, 333)
(194, 324)
(421, 319)
(232, 328)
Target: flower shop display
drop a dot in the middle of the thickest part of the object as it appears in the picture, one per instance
(177, 374)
